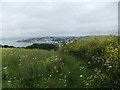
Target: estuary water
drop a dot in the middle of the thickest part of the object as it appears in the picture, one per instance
(13, 42)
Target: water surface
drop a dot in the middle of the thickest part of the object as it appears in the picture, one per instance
(12, 42)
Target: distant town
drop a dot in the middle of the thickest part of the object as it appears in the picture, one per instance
(53, 40)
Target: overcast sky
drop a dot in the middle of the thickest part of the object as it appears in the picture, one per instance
(58, 19)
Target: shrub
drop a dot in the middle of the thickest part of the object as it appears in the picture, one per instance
(42, 46)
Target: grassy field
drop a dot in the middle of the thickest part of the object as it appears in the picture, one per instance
(91, 63)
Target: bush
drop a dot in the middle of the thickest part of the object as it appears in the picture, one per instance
(6, 46)
(42, 46)
(101, 55)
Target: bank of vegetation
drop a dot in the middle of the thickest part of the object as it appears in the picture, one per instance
(88, 63)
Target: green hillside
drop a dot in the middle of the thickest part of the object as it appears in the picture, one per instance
(88, 63)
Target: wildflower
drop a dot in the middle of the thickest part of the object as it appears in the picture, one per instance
(88, 77)
(59, 82)
(88, 62)
(57, 71)
(82, 67)
(69, 72)
(109, 66)
(81, 75)
(5, 68)
(33, 58)
(44, 78)
(56, 56)
(108, 62)
(14, 77)
(65, 76)
(54, 67)
(59, 79)
(20, 64)
(56, 59)
(98, 60)
(60, 73)
(87, 84)
(65, 85)
(9, 81)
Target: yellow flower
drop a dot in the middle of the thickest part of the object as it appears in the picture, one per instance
(54, 67)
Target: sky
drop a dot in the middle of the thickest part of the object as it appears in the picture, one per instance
(36, 19)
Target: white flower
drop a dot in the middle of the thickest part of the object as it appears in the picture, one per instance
(9, 81)
(56, 59)
(109, 66)
(108, 62)
(65, 76)
(65, 85)
(20, 64)
(55, 67)
(87, 84)
(5, 68)
(69, 72)
(81, 75)
(59, 79)
(88, 62)
(98, 60)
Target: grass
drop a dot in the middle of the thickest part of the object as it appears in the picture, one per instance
(91, 63)
(25, 68)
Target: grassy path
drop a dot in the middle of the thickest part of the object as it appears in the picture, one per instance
(25, 68)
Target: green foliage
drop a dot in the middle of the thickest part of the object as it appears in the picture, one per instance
(101, 55)
(88, 63)
(6, 46)
(42, 46)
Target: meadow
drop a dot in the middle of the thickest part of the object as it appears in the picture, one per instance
(89, 63)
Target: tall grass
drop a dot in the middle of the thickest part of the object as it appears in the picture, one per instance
(25, 68)
(90, 63)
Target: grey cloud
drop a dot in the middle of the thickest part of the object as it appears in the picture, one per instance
(58, 19)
